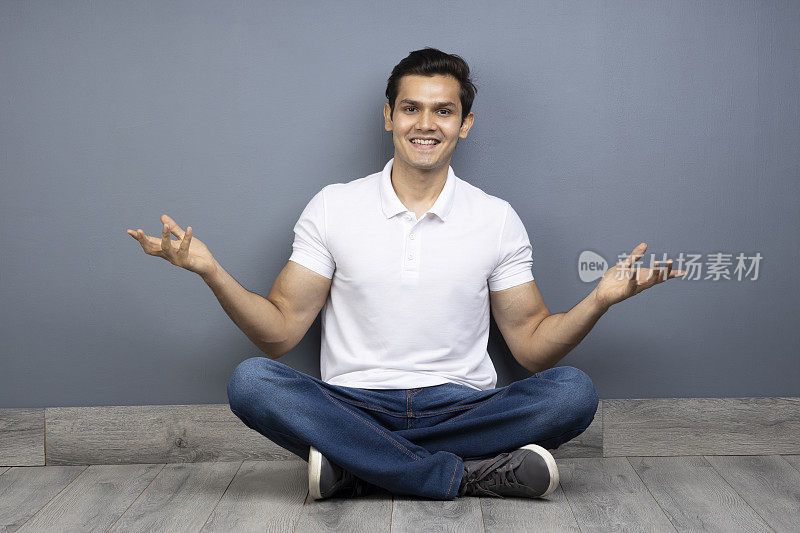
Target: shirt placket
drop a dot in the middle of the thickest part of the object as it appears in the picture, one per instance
(412, 247)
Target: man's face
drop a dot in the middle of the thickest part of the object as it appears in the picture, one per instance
(427, 107)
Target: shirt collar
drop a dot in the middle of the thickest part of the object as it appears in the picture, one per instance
(392, 205)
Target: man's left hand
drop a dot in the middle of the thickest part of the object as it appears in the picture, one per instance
(622, 281)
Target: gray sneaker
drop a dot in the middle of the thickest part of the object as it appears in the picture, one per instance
(527, 472)
(326, 479)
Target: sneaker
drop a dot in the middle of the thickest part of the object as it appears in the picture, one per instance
(527, 472)
(326, 479)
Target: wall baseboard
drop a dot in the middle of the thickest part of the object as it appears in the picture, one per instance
(194, 433)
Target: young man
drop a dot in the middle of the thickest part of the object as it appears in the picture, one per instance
(406, 265)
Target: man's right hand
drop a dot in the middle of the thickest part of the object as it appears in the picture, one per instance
(186, 252)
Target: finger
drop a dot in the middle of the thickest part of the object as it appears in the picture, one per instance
(174, 227)
(663, 270)
(148, 243)
(677, 274)
(669, 269)
(183, 249)
(635, 255)
(134, 234)
(166, 242)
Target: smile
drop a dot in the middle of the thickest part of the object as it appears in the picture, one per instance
(425, 144)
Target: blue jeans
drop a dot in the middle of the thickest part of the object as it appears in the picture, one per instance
(410, 441)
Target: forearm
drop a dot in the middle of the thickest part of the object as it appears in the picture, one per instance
(558, 334)
(257, 317)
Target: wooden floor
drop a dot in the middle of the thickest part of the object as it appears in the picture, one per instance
(686, 493)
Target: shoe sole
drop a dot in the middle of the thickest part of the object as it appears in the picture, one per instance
(551, 466)
(314, 473)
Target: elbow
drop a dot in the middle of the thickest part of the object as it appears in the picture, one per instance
(274, 350)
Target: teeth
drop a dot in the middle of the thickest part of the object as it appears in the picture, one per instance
(423, 141)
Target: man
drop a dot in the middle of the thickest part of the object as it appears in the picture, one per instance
(406, 265)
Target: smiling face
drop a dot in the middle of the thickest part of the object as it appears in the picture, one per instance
(428, 111)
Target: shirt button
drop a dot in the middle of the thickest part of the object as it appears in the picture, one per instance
(411, 236)
(408, 217)
(411, 256)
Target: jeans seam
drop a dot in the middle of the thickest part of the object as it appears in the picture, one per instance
(411, 409)
(382, 434)
(459, 408)
(447, 494)
(408, 410)
(401, 413)
(485, 402)
(373, 407)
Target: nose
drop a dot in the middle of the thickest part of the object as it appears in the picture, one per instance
(425, 121)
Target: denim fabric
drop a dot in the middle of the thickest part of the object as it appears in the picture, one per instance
(410, 441)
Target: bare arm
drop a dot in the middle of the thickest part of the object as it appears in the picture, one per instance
(539, 339)
(256, 316)
(558, 334)
(278, 322)
(275, 324)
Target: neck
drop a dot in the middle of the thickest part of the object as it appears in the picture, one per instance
(418, 189)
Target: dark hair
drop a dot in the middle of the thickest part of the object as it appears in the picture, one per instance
(428, 62)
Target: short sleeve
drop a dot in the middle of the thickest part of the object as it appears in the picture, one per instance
(309, 248)
(516, 255)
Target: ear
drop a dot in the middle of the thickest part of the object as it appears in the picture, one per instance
(468, 120)
(387, 117)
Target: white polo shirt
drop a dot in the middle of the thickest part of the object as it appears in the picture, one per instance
(409, 300)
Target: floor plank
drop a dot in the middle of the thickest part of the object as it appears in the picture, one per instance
(95, 500)
(713, 493)
(701, 426)
(694, 496)
(605, 494)
(793, 460)
(22, 437)
(26, 489)
(519, 515)
(767, 483)
(180, 498)
(417, 514)
(264, 496)
(370, 512)
(153, 434)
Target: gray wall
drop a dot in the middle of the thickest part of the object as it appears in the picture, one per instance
(605, 124)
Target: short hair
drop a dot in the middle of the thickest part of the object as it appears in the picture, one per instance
(429, 62)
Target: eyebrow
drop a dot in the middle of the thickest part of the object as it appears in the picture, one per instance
(419, 104)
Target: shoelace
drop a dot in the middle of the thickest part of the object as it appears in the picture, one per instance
(499, 473)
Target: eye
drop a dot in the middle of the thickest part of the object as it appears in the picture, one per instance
(445, 110)
(408, 107)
